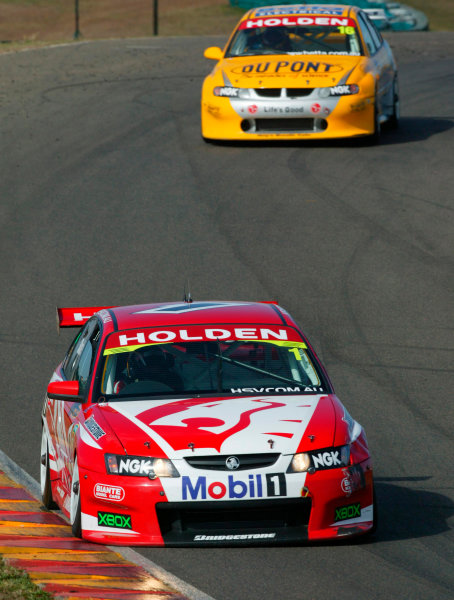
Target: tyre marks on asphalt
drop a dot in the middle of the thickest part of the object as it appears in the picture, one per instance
(42, 544)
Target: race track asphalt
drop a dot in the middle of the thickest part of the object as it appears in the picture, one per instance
(109, 196)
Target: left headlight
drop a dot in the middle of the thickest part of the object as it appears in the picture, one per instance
(140, 466)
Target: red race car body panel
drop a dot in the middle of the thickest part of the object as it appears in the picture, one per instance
(201, 423)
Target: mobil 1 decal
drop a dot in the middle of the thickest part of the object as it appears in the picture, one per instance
(270, 485)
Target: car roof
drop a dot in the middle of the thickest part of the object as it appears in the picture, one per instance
(203, 312)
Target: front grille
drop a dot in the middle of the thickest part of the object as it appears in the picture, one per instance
(180, 522)
(268, 92)
(278, 92)
(299, 92)
(247, 461)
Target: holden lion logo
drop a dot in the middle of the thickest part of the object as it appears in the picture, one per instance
(232, 463)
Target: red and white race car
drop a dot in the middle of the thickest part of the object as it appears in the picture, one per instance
(200, 423)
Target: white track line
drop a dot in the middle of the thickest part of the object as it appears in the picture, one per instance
(23, 478)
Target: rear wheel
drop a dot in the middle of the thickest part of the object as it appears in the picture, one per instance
(46, 488)
(74, 510)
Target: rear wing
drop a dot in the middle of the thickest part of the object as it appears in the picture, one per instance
(76, 317)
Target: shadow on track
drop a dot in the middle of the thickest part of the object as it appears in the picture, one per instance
(411, 129)
(410, 513)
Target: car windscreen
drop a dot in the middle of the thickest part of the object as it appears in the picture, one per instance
(253, 38)
(213, 367)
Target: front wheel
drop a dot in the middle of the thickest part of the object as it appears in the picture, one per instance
(75, 518)
(373, 530)
(393, 121)
(46, 487)
(375, 136)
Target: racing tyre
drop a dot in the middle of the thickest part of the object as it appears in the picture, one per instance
(46, 488)
(372, 532)
(393, 121)
(375, 515)
(375, 136)
(74, 508)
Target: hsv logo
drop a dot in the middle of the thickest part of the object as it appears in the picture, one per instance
(108, 492)
(252, 109)
(256, 486)
(232, 463)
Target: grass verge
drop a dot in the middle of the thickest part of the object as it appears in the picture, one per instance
(17, 585)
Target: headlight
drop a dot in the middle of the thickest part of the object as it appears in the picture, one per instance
(324, 92)
(300, 463)
(140, 466)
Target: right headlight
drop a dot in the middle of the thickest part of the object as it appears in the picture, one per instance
(300, 463)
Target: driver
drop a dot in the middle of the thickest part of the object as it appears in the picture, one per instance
(150, 364)
(276, 38)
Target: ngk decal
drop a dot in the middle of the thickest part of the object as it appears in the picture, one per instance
(271, 485)
(327, 459)
(109, 492)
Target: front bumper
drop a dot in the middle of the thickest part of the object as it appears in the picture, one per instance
(328, 504)
(286, 118)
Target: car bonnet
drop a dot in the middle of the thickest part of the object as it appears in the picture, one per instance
(176, 428)
(290, 71)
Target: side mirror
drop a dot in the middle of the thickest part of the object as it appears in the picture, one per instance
(64, 390)
(213, 52)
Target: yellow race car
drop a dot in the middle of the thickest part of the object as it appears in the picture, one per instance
(298, 72)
